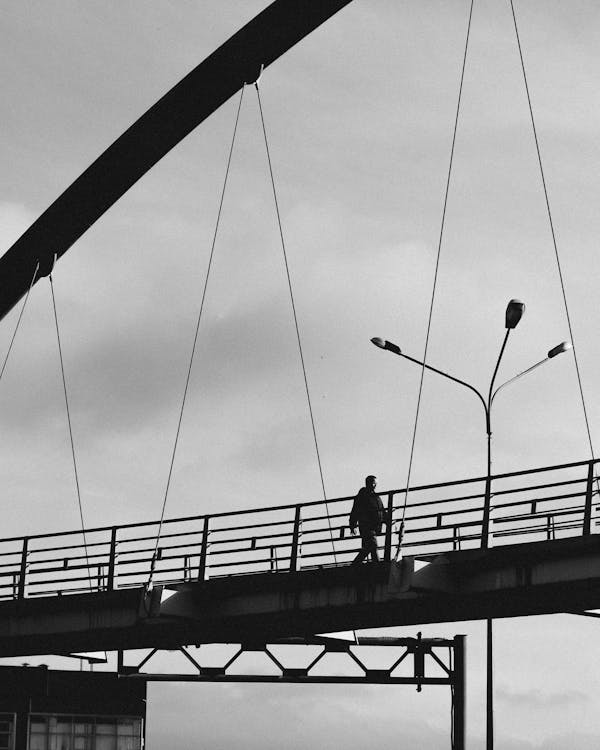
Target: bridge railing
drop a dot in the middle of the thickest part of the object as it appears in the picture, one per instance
(546, 503)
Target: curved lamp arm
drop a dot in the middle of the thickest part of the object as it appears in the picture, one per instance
(383, 344)
(563, 347)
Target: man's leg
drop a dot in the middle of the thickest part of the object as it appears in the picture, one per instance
(364, 551)
(371, 546)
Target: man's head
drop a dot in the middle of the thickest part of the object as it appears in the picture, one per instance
(370, 482)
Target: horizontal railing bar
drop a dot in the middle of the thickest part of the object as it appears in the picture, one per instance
(542, 529)
(479, 509)
(174, 535)
(38, 550)
(11, 564)
(105, 556)
(545, 514)
(43, 584)
(40, 571)
(531, 488)
(538, 500)
(15, 553)
(481, 495)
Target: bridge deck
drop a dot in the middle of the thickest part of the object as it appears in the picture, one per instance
(544, 577)
(268, 573)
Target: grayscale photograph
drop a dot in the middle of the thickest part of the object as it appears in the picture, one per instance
(299, 406)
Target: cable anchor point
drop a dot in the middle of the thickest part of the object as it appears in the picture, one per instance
(260, 72)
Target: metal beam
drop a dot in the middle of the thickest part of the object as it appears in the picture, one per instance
(423, 655)
(510, 581)
(259, 43)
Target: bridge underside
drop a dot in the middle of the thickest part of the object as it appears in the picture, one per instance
(509, 581)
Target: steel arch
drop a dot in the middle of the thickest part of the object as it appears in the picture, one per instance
(260, 42)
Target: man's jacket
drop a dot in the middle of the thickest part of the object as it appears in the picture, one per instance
(367, 511)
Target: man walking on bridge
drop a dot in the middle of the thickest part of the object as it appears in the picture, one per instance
(369, 514)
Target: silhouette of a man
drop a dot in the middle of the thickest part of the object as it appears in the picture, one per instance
(368, 513)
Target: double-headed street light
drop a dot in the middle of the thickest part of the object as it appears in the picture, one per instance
(514, 313)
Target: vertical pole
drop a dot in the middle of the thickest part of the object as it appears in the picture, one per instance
(488, 428)
(587, 513)
(459, 713)
(419, 662)
(112, 556)
(489, 728)
(204, 550)
(487, 498)
(295, 541)
(387, 555)
(23, 573)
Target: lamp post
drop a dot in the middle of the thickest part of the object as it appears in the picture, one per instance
(514, 313)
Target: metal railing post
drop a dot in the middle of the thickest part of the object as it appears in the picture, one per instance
(587, 512)
(112, 559)
(485, 523)
(295, 553)
(23, 572)
(204, 550)
(387, 554)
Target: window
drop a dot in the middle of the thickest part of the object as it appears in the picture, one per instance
(7, 731)
(84, 733)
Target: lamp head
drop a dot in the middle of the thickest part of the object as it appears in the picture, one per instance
(514, 312)
(382, 344)
(563, 347)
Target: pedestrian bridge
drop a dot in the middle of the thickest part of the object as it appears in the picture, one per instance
(284, 571)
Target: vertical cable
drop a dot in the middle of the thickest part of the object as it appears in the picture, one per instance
(64, 382)
(554, 242)
(437, 265)
(299, 340)
(191, 362)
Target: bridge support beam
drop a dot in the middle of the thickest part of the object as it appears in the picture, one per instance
(511, 581)
(423, 657)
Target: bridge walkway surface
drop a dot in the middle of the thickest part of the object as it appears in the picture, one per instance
(277, 572)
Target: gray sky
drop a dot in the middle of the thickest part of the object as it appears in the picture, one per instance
(360, 120)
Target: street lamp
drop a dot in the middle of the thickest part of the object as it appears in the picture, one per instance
(514, 313)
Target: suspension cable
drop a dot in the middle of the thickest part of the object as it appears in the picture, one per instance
(435, 277)
(12, 341)
(191, 362)
(550, 221)
(64, 382)
(298, 338)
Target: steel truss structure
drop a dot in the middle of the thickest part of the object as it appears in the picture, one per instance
(435, 661)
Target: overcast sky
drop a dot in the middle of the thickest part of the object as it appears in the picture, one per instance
(360, 119)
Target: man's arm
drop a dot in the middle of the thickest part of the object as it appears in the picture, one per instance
(353, 521)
